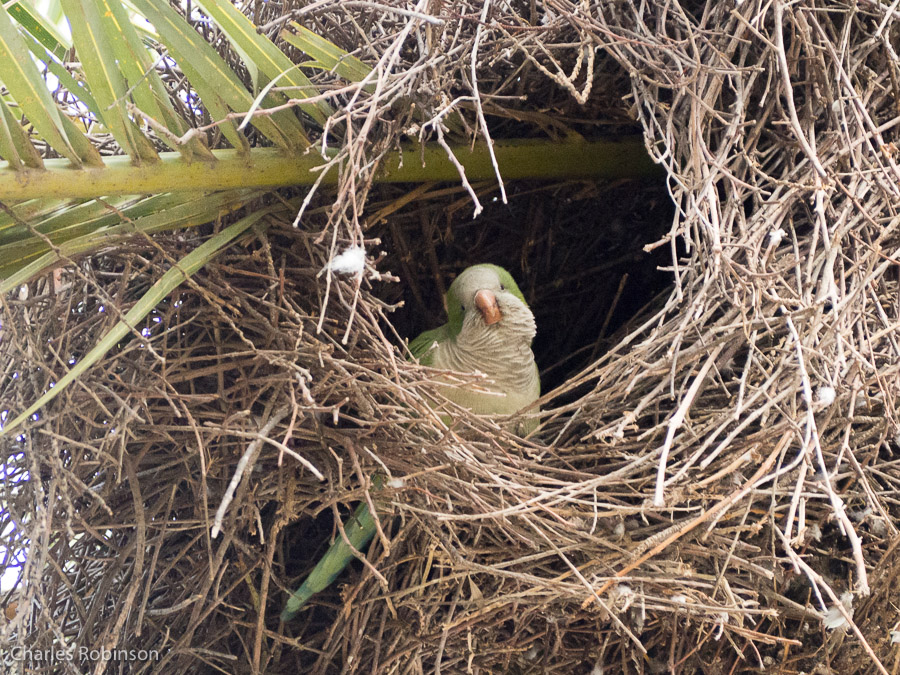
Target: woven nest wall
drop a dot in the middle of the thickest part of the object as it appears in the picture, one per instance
(711, 489)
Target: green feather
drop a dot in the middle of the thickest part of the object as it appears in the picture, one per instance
(421, 346)
(359, 528)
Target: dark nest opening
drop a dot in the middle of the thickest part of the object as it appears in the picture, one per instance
(712, 486)
(576, 250)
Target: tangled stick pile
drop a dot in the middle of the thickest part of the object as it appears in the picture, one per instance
(714, 493)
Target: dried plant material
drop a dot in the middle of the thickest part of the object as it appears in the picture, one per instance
(709, 482)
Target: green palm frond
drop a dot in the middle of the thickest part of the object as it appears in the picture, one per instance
(115, 87)
(327, 55)
(166, 284)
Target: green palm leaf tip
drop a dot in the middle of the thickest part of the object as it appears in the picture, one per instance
(359, 528)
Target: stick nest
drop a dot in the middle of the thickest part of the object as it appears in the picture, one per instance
(710, 490)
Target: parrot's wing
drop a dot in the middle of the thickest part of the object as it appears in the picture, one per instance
(422, 345)
(359, 528)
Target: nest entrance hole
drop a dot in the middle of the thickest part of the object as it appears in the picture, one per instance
(575, 249)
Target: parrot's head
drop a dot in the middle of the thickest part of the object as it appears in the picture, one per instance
(484, 301)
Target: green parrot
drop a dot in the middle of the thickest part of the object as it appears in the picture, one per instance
(489, 330)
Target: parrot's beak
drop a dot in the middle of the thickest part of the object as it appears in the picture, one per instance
(486, 302)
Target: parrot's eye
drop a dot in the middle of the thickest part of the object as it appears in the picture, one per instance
(463, 308)
(502, 287)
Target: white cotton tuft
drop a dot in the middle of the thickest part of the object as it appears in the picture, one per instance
(827, 395)
(352, 261)
(895, 636)
(859, 516)
(396, 483)
(833, 617)
(775, 236)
